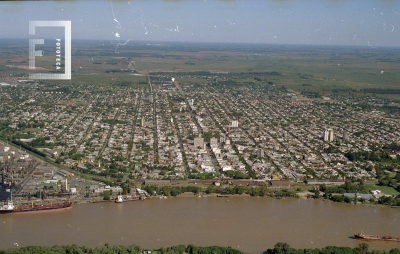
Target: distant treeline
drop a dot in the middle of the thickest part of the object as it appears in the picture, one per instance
(135, 249)
(199, 73)
(311, 94)
(346, 90)
(108, 71)
(284, 248)
(305, 76)
(129, 83)
(381, 90)
(272, 73)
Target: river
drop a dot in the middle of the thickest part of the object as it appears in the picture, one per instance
(251, 224)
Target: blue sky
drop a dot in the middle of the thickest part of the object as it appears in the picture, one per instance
(323, 22)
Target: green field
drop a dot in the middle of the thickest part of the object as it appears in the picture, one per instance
(326, 70)
(30, 130)
(385, 189)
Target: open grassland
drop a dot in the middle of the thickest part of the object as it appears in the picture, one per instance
(322, 69)
(385, 189)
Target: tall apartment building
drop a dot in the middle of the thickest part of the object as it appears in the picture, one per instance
(260, 152)
(345, 135)
(328, 135)
(213, 141)
(199, 142)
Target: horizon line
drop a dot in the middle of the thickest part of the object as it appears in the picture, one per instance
(211, 42)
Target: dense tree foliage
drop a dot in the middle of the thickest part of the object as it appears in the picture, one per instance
(29, 148)
(236, 174)
(279, 248)
(389, 201)
(261, 190)
(191, 249)
(370, 156)
(392, 146)
(348, 187)
(284, 248)
(202, 176)
(381, 90)
(121, 249)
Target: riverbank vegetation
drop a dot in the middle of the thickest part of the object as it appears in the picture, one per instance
(284, 248)
(331, 193)
(261, 190)
(279, 248)
(122, 249)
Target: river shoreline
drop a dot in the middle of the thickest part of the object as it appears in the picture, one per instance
(189, 194)
(252, 223)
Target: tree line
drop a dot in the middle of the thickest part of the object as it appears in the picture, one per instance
(381, 91)
(261, 190)
(279, 248)
(29, 148)
(284, 248)
(121, 249)
(370, 156)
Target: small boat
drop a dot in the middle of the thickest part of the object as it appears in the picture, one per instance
(377, 237)
(119, 199)
(222, 196)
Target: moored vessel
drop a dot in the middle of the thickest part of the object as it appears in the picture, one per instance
(9, 207)
(121, 199)
(376, 237)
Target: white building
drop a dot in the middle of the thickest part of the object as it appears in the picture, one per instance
(199, 142)
(328, 135)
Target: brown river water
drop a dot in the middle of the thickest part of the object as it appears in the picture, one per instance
(251, 224)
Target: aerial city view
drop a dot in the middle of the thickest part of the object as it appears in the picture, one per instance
(204, 126)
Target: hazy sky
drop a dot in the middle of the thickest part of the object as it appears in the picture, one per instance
(326, 22)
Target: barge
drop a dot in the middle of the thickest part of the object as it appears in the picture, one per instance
(377, 237)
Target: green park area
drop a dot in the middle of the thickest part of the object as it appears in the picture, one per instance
(385, 189)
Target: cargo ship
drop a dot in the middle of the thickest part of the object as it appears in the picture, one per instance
(121, 199)
(9, 207)
(377, 237)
